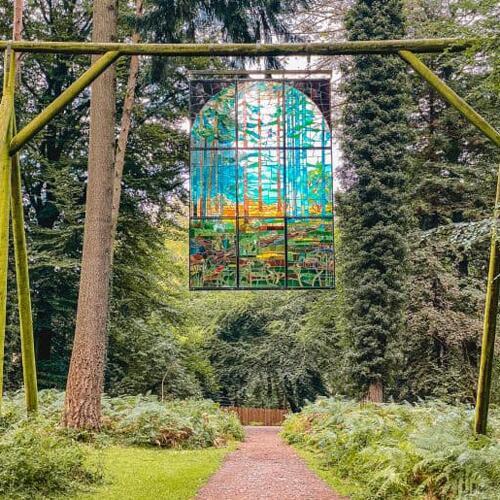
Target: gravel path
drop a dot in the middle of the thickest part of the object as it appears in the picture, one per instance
(265, 468)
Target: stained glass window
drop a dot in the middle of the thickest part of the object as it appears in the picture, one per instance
(261, 210)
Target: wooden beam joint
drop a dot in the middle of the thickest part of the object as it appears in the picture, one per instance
(69, 95)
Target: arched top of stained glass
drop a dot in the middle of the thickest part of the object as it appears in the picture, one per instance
(263, 114)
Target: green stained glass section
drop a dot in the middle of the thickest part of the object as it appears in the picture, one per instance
(261, 177)
(262, 253)
(212, 253)
(310, 253)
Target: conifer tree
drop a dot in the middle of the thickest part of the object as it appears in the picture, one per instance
(82, 407)
(372, 209)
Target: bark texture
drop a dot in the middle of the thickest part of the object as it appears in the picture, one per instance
(17, 29)
(126, 122)
(375, 393)
(82, 408)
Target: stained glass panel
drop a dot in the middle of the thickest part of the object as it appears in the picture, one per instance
(262, 253)
(261, 184)
(310, 253)
(212, 253)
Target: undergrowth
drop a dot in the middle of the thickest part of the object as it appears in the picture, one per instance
(141, 420)
(401, 451)
(40, 459)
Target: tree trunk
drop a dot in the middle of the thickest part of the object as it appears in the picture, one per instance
(82, 409)
(17, 30)
(375, 392)
(126, 121)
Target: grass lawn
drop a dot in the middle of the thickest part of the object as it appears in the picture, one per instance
(143, 473)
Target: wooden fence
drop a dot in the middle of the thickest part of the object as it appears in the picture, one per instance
(259, 416)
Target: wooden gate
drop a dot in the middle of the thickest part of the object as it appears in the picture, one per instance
(259, 416)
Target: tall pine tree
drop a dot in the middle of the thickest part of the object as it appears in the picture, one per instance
(372, 209)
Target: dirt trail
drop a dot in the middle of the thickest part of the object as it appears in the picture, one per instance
(265, 468)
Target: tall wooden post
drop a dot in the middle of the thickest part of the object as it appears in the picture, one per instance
(6, 109)
(23, 285)
(493, 285)
(490, 324)
(20, 252)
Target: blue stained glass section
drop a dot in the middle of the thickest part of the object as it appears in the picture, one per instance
(309, 182)
(213, 183)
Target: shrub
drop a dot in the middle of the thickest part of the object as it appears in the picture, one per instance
(39, 461)
(143, 420)
(401, 451)
(50, 403)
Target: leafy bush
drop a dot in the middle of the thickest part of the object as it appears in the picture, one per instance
(401, 451)
(143, 420)
(37, 461)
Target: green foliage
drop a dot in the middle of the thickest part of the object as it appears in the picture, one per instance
(453, 167)
(274, 350)
(451, 181)
(432, 349)
(372, 214)
(145, 356)
(143, 420)
(240, 21)
(439, 349)
(401, 451)
(37, 460)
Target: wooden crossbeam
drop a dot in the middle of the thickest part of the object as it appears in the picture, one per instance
(421, 45)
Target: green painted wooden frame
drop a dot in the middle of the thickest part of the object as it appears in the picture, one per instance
(11, 142)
